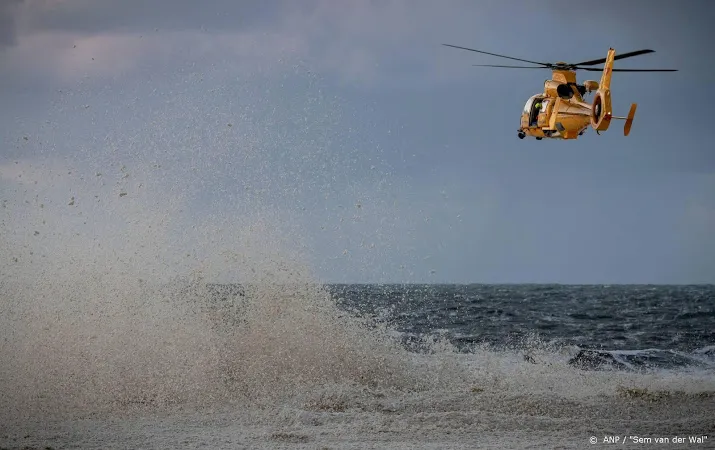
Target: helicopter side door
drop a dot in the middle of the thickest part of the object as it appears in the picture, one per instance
(536, 118)
(528, 116)
(542, 116)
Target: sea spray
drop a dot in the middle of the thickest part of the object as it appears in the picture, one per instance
(129, 320)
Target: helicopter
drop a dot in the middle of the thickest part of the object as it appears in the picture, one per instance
(561, 112)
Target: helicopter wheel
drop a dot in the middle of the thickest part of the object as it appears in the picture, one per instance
(539, 138)
(521, 135)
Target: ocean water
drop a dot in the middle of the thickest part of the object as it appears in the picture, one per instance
(632, 327)
(191, 364)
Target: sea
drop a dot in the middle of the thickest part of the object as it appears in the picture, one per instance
(629, 327)
(193, 364)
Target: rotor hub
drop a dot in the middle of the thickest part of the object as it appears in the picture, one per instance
(561, 66)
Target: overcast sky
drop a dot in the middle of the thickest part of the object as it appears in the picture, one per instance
(344, 130)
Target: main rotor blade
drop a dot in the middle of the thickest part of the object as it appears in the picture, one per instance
(494, 54)
(510, 67)
(621, 56)
(591, 69)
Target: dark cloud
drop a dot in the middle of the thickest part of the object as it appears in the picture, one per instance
(94, 16)
(8, 10)
(680, 32)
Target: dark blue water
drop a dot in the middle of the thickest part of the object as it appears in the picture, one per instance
(621, 326)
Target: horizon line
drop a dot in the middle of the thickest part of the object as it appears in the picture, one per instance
(526, 283)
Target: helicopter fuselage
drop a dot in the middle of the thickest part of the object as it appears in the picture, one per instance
(557, 118)
(563, 113)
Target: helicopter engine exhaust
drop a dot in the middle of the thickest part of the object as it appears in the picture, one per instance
(555, 88)
(564, 91)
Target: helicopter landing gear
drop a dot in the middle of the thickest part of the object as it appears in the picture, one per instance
(521, 135)
(539, 138)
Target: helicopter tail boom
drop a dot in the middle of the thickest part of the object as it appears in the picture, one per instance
(601, 113)
(607, 70)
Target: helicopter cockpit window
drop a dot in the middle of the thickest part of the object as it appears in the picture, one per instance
(527, 107)
(531, 110)
(530, 103)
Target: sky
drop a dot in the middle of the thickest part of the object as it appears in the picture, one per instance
(346, 131)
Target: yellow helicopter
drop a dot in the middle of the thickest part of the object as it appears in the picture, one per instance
(560, 112)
